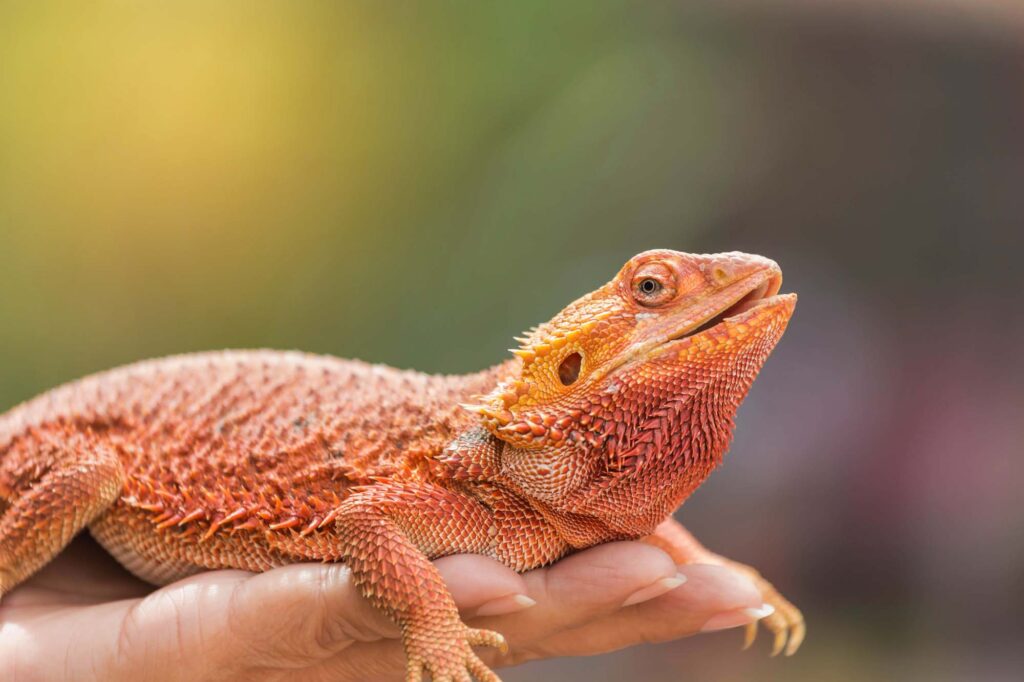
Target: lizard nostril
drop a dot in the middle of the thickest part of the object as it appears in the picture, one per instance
(720, 274)
(569, 370)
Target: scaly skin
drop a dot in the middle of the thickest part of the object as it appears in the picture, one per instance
(609, 416)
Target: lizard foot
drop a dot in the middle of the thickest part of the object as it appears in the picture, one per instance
(450, 657)
(786, 623)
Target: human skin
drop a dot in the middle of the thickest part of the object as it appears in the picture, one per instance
(83, 617)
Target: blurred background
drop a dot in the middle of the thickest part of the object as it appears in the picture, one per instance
(415, 183)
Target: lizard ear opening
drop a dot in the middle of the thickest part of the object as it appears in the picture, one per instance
(569, 369)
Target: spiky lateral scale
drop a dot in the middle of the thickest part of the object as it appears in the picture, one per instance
(251, 442)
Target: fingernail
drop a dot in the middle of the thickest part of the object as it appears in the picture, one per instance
(736, 618)
(507, 604)
(655, 590)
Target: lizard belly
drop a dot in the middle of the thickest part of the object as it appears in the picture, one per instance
(161, 557)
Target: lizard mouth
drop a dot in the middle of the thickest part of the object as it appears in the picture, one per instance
(738, 303)
(742, 297)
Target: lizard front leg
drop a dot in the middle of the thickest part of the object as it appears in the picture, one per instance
(77, 481)
(388, 535)
(786, 623)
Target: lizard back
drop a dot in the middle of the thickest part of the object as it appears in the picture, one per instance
(242, 439)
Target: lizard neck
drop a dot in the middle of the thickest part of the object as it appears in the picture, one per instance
(484, 381)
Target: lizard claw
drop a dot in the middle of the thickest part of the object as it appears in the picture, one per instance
(749, 635)
(487, 638)
(452, 659)
(796, 637)
(786, 623)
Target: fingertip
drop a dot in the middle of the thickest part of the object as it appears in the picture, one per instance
(293, 582)
(476, 581)
(604, 578)
(655, 589)
(738, 618)
(712, 588)
(502, 606)
(618, 564)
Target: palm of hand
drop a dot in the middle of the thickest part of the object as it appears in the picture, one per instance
(85, 617)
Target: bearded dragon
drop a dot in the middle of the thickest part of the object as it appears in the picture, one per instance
(605, 419)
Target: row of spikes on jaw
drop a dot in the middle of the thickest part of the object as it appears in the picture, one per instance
(504, 410)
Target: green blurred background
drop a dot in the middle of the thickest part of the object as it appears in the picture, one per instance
(414, 183)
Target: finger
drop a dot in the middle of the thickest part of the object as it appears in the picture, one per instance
(474, 581)
(709, 592)
(585, 586)
(150, 634)
(483, 586)
(304, 612)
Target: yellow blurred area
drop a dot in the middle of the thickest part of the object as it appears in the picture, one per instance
(229, 159)
(151, 146)
(140, 136)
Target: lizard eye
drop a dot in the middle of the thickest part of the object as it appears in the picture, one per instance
(649, 286)
(653, 285)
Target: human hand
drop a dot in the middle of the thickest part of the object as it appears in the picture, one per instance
(84, 617)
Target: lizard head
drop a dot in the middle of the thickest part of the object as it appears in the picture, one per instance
(636, 384)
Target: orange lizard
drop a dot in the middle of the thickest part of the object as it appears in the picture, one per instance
(605, 420)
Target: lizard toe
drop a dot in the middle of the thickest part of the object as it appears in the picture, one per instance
(487, 638)
(450, 657)
(786, 624)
